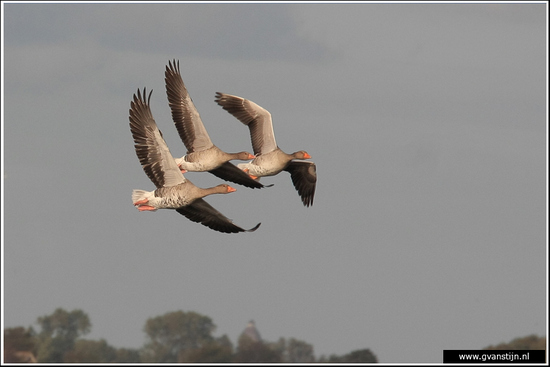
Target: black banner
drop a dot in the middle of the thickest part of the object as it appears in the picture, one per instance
(494, 356)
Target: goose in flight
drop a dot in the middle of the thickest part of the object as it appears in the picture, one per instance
(270, 159)
(173, 191)
(202, 155)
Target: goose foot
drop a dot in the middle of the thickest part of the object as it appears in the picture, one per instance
(143, 201)
(251, 176)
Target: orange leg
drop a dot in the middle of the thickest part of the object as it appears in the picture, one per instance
(252, 176)
(141, 202)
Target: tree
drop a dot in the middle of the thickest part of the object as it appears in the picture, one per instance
(293, 350)
(356, 356)
(65, 325)
(252, 351)
(360, 356)
(59, 332)
(257, 353)
(298, 351)
(91, 351)
(530, 342)
(217, 351)
(19, 345)
(125, 355)
(174, 332)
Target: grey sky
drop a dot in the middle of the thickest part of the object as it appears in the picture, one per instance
(427, 123)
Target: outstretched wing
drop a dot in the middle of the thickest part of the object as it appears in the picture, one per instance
(304, 178)
(151, 149)
(186, 117)
(255, 117)
(201, 212)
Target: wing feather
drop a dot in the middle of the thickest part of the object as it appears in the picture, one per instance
(255, 117)
(304, 178)
(151, 149)
(186, 117)
(201, 212)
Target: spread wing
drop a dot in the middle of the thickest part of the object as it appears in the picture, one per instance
(151, 149)
(186, 117)
(304, 178)
(255, 117)
(201, 212)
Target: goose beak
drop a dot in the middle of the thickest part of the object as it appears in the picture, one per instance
(251, 156)
(307, 156)
(231, 189)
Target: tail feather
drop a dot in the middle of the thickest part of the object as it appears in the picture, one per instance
(138, 195)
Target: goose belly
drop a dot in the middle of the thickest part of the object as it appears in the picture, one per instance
(265, 168)
(201, 161)
(197, 166)
(170, 198)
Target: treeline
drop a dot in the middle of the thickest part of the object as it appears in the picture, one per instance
(530, 342)
(175, 337)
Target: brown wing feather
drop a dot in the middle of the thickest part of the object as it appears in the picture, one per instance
(304, 178)
(201, 212)
(142, 126)
(255, 117)
(184, 113)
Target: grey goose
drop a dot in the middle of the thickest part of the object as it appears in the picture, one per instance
(270, 159)
(202, 155)
(173, 190)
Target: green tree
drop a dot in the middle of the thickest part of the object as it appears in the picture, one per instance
(217, 351)
(360, 356)
(17, 340)
(293, 350)
(529, 342)
(59, 332)
(251, 351)
(298, 351)
(91, 351)
(356, 356)
(126, 355)
(174, 332)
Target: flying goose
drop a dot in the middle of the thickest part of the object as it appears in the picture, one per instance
(270, 159)
(173, 191)
(202, 155)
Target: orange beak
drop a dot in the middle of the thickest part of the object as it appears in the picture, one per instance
(251, 156)
(231, 189)
(183, 170)
(307, 156)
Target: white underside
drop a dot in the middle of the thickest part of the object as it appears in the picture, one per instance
(195, 166)
(259, 171)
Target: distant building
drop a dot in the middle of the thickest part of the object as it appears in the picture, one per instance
(252, 332)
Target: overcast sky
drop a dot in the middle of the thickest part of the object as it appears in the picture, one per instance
(427, 123)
